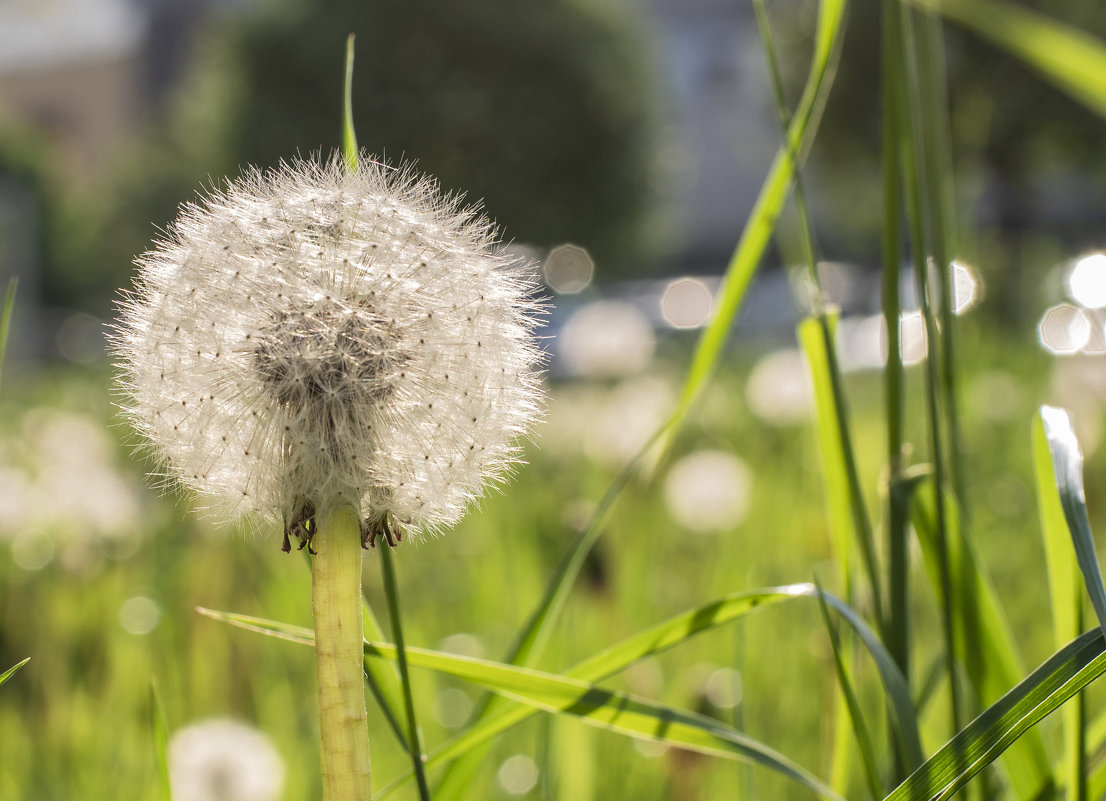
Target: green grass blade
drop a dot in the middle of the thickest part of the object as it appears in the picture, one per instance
(618, 657)
(383, 681)
(349, 135)
(980, 742)
(1067, 463)
(852, 703)
(161, 742)
(596, 706)
(1065, 594)
(896, 691)
(6, 319)
(754, 239)
(647, 643)
(848, 514)
(414, 735)
(7, 674)
(981, 631)
(773, 194)
(1073, 60)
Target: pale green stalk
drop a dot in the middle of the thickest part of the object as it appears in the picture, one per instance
(336, 603)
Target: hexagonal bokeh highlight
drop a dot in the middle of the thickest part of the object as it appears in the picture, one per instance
(568, 269)
(687, 303)
(1064, 329)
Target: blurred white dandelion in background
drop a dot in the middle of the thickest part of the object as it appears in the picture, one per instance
(224, 760)
(60, 484)
(708, 491)
(605, 338)
(779, 389)
(314, 336)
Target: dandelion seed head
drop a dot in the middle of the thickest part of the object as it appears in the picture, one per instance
(224, 760)
(316, 335)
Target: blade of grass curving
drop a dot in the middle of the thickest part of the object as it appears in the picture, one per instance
(856, 716)
(607, 709)
(980, 630)
(414, 734)
(1000, 725)
(843, 493)
(1070, 58)
(7, 674)
(773, 194)
(1066, 599)
(6, 318)
(649, 642)
(349, 135)
(614, 711)
(1067, 464)
(160, 731)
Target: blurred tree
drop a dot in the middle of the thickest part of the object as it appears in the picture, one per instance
(544, 111)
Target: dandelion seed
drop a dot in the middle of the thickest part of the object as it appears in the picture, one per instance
(359, 339)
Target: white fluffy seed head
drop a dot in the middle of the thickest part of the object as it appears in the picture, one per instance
(315, 335)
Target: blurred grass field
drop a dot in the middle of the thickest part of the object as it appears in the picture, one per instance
(75, 722)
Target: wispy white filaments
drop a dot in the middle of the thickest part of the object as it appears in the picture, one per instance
(312, 336)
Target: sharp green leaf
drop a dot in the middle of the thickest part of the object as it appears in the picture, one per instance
(596, 706)
(1064, 591)
(1000, 725)
(1067, 464)
(7, 674)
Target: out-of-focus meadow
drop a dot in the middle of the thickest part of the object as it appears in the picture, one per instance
(621, 146)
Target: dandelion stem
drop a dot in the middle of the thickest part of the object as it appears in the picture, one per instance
(336, 600)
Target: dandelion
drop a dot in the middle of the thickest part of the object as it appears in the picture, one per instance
(224, 760)
(340, 347)
(316, 337)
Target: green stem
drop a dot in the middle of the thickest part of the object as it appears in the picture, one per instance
(336, 602)
(414, 738)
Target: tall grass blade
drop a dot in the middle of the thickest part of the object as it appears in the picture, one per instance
(594, 705)
(649, 642)
(6, 318)
(773, 194)
(1067, 464)
(160, 731)
(383, 682)
(1073, 60)
(852, 703)
(848, 514)
(1066, 598)
(981, 631)
(980, 742)
(414, 734)
(754, 239)
(7, 674)
(349, 135)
